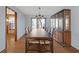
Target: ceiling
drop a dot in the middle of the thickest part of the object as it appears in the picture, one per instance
(9, 11)
(34, 10)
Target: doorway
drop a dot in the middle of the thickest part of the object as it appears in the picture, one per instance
(11, 28)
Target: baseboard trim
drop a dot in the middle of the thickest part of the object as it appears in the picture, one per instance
(62, 44)
(75, 48)
(3, 51)
(68, 46)
(21, 36)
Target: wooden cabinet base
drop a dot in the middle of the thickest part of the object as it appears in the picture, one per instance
(67, 38)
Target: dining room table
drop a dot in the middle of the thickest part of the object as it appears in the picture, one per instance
(39, 34)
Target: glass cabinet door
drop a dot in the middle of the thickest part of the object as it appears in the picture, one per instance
(60, 22)
(56, 22)
(67, 21)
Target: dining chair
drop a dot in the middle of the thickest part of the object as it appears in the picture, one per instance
(26, 31)
(51, 34)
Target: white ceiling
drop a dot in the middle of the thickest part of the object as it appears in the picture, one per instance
(9, 11)
(34, 10)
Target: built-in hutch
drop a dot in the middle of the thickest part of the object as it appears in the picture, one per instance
(62, 24)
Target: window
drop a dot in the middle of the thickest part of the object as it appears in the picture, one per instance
(38, 23)
(41, 23)
(34, 23)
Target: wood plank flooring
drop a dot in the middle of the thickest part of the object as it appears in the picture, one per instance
(19, 47)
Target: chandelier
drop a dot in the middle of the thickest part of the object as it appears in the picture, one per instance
(39, 16)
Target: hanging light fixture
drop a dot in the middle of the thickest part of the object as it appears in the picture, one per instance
(39, 16)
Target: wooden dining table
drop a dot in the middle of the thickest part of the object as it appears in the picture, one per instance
(39, 34)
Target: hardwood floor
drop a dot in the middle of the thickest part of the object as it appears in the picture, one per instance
(60, 49)
(15, 46)
(19, 47)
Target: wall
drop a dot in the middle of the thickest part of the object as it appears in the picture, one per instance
(75, 27)
(2, 28)
(20, 25)
(28, 21)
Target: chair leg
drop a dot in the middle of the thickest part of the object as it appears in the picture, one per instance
(26, 46)
(44, 44)
(39, 46)
(51, 45)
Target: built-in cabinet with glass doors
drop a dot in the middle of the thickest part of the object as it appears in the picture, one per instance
(61, 21)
